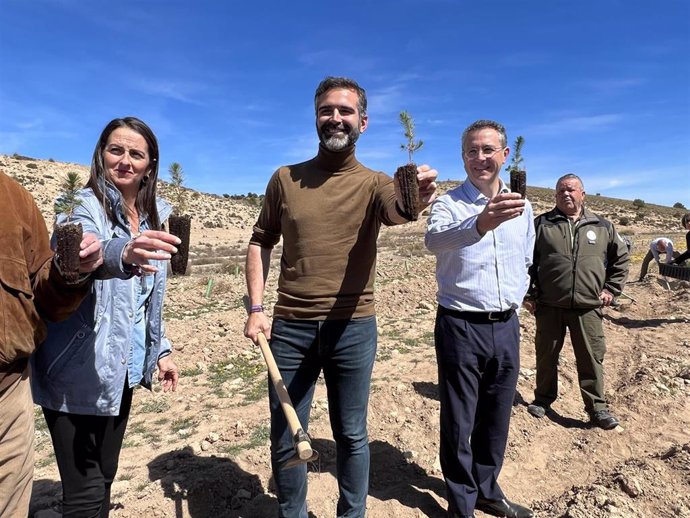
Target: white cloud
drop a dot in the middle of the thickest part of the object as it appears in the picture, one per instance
(575, 124)
(188, 92)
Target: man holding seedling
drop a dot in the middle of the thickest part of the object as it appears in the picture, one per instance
(329, 211)
(482, 235)
(580, 265)
(32, 288)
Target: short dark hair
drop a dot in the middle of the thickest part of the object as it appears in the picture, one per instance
(571, 176)
(342, 82)
(146, 198)
(484, 124)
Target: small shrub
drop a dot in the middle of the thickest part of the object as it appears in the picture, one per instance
(31, 165)
(638, 203)
(678, 205)
(155, 406)
(623, 221)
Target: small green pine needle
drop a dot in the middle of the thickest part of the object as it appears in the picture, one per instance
(408, 125)
(68, 201)
(179, 194)
(516, 161)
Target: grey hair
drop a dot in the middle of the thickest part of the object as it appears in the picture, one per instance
(571, 176)
(342, 82)
(484, 124)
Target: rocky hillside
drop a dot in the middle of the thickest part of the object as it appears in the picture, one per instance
(203, 451)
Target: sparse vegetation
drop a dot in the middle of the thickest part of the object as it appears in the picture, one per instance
(638, 203)
(183, 426)
(155, 404)
(678, 205)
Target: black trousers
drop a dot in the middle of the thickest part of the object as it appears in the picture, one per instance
(478, 367)
(87, 449)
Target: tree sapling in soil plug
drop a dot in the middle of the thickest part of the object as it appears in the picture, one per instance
(180, 223)
(68, 235)
(407, 174)
(518, 175)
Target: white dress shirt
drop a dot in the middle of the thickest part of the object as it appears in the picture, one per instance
(473, 272)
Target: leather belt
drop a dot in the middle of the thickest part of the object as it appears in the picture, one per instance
(479, 317)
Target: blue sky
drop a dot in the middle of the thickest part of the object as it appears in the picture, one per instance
(596, 87)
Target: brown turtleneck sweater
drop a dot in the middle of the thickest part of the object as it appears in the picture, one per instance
(329, 211)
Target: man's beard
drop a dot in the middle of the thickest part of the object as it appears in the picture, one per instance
(337, 142)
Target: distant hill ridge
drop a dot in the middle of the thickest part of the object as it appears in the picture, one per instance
(43, 178)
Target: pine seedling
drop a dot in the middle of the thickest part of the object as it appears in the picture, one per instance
(411, 145)
(68, 201)
(516, 161)
(176, 180)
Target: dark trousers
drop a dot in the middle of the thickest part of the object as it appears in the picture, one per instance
(87, 448)
(589, 346)
(345, 350)
(478, 367)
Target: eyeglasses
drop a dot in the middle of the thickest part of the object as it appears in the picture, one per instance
(487, 152)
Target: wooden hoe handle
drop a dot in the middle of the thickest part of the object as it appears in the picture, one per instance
(301, 439)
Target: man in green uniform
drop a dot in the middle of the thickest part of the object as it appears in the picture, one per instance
(580, 264)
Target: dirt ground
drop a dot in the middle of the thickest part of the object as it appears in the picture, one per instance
(203, 452)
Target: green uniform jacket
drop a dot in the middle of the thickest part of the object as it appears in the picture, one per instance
(574, 262)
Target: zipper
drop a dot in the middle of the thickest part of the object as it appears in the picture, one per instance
(78, 335)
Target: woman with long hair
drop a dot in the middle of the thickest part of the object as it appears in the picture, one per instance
(85, 372)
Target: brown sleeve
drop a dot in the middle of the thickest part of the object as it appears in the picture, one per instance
(386, 201)
(267, 230)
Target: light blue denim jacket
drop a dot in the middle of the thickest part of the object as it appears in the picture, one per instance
(82, 365)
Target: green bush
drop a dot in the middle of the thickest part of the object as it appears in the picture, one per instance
(623, 221)
(678, 205)
(638, 203)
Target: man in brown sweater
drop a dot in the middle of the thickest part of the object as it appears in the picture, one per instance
(329, 211)
(31, 288)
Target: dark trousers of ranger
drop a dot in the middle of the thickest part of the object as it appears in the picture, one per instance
(478, 367)
(589, 345)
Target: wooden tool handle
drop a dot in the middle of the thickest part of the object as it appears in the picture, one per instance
(304, 450)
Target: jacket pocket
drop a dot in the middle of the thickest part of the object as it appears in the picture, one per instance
(21, 327)
(75, 358)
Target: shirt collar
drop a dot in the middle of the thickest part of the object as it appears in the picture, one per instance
(475, 194)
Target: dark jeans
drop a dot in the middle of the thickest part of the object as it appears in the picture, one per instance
(345, 350)
(478, 367)
(589, 346)
(87, 448)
